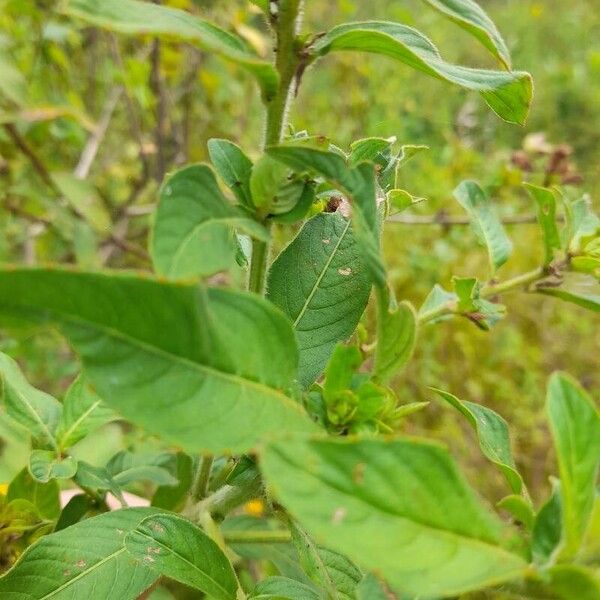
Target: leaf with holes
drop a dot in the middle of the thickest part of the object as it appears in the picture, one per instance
(320, 282)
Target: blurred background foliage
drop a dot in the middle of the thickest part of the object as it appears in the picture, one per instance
(91, 122)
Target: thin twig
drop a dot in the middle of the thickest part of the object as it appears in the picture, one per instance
(444, 219)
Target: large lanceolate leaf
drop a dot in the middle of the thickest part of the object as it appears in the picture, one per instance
(398, 507)
(176, 548)
(471, 17)
(488, 227)
(494, 439)
(575, 426)
(508, 94)
(321, 283)
(86, 560)
(134, 17)
(205, 369)
(33, 409)
(193, 228)
(83, 412)
(357, 182)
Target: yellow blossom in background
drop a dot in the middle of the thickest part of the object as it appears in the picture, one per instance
(3, 488)
(255, 508)
(537, 10)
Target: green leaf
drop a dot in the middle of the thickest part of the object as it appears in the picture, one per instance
(545, 201)
(174, 497)
(127, 467)
(436, 298)
(591, 302)
(487, 226)
(233, 166)
(44, 496)
(267, 179)
(44, 465)
(520, 509)
(83, 412)
(582, 222)
(137, 18)
(493, 436)
(357, 182)
(575, 426)
(396, 506)
(193, 227)
(572, 582)
(328, 569)
(320, 282)
(176, 548)
(396, 335)
(471, 17)
(13, 85)
(482, 312)
(282, 588)
(206, 369)
(547, 528)
(75, 510)
(372, 588)
(35, 410)
(96, 478)
(86, 560)
(508, 94)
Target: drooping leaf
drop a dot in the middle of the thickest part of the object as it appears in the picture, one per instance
(487, 226)
(584, 292)
(127, 467)
(545, 201)
(33, 409)
(320, 282)
(398, 506)
(86, 560)
(471, 17)
(83, 412)
(508, 94)
(396, 335)
(493, 436)
(575, 426)
(331, 571)
(282, 588)
(357, 182)
(547, 532)
(176, 548)
(233, 166)
(45, 465)
(136, 18)
(193, 227)
(44, 496)
(204, 369)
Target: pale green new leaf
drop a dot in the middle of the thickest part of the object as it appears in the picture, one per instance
(487, 226)
(493, 436)
(193, 226)
(545, 201)
(399, 507)
(176, 548)
(35, 410)
(206, 369)
(83, 412)
(357, 182)
(127, 467)
(45, 465)
(471, 17)
(282, 588)
(396, 335)
(508, 94)
(575, 426)
(321, 283)
(44, 496)
(86, 560)
(233, 166)
(136, 18)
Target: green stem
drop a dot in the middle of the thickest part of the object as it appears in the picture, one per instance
(287, 61)
(200, 485)
(491, 289)
(280, 536)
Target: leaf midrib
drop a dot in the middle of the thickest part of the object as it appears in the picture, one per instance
(64, 436)
(320, 277)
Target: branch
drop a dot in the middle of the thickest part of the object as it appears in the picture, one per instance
(442, 218)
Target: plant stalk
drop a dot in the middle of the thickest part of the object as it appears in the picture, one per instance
(280, 536)
(200, 485)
